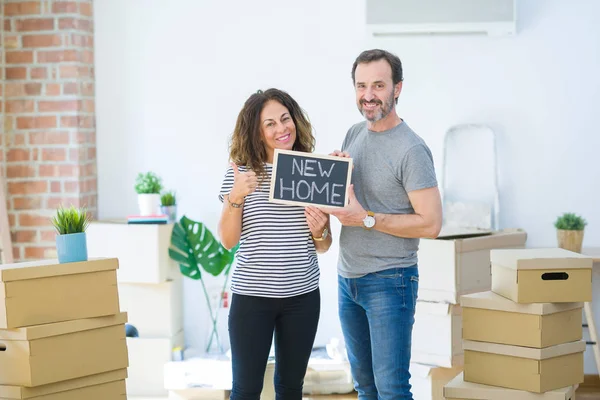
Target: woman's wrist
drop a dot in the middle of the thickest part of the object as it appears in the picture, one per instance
(235, 199)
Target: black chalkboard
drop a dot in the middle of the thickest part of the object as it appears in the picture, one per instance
(310, 179)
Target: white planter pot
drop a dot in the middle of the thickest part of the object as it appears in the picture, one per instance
(149, 203)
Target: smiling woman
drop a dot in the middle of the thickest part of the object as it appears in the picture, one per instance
(264, 124)
(275, 281)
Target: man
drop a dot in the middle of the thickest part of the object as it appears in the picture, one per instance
(393, 201)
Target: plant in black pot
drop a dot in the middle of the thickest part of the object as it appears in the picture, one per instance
(71, 224)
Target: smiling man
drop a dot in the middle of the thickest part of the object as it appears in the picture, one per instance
(393, 201)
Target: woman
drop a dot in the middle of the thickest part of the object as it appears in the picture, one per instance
(275, 283)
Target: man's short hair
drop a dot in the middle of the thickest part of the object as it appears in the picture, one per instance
(368, 56)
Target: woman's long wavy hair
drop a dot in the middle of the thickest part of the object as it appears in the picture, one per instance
(247, 146)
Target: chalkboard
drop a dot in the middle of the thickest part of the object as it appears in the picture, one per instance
(310, 179)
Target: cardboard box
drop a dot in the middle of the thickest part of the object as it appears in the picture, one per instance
(489, 317)
(458, 389)
(104, 386)
(436, 337)
(450, 267)
(524, 368)
(428, 382)
(147, 359)
(42, 292)
(43, 354)
(156, 310)
(142, 249)
(551, 275)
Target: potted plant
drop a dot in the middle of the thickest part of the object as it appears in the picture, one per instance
(71, 224)
(168, 205)
(569, 231)
(148, 186)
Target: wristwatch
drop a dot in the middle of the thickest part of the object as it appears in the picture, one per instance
(369, 220)
(323, 235)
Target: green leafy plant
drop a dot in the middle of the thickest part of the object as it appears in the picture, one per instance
(570, 222)
(168, 199)
(195, 249)
(71, 220)
(148, 183)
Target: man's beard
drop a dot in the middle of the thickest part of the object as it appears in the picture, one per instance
(379, 114)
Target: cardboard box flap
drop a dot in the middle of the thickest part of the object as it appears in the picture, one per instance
(457, 388)
(20, 392)
(420, 370)
(460, 232)
(62, 328)
(540, 258)
(525, 352)
(47, 268)
(492, 301)
(503, 238)
(433, 308)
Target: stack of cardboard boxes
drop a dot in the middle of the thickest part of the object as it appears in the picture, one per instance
(449, 266)
(62, 335)
(151, 291)
(522, 339)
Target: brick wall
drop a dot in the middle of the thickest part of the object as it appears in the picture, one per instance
(49, 133)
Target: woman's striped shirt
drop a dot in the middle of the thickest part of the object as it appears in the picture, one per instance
(277, 256)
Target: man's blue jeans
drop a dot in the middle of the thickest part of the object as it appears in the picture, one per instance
(377, 315)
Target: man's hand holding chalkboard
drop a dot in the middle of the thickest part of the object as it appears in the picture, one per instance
(352, 214)
(338, 153)
(244, 183)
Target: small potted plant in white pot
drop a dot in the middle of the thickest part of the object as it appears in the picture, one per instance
(569, 231)
(148, 186)
(71, 243)
(168, 205)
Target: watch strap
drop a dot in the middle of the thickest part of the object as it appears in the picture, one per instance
(323, 235)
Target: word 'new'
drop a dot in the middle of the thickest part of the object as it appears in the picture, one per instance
(303, 190)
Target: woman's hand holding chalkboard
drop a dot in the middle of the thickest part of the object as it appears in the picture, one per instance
(317, 220)
(244, 183)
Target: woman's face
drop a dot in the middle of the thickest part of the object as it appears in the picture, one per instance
(277, 128)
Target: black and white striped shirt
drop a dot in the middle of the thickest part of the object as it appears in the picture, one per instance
(277, 256)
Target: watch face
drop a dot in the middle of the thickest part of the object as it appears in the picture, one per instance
(369, 221)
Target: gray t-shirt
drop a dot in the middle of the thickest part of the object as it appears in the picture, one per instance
(387, 165)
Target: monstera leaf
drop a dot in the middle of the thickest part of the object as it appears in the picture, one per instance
(194, 247)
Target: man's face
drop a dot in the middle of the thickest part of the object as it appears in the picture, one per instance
(375, 90)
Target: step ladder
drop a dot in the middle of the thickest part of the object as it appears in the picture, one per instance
(6, 250)
(589, 316)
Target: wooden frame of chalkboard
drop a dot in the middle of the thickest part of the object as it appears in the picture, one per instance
(307, 179)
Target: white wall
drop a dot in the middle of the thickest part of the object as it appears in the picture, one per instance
(172, 75)
(539, 91)
(171, 78)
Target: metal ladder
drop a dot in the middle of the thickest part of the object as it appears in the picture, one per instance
(470, 177)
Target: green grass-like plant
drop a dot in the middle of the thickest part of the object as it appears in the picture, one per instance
(71, 220)
(570, 222)
(168, 199)
(148, 183)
